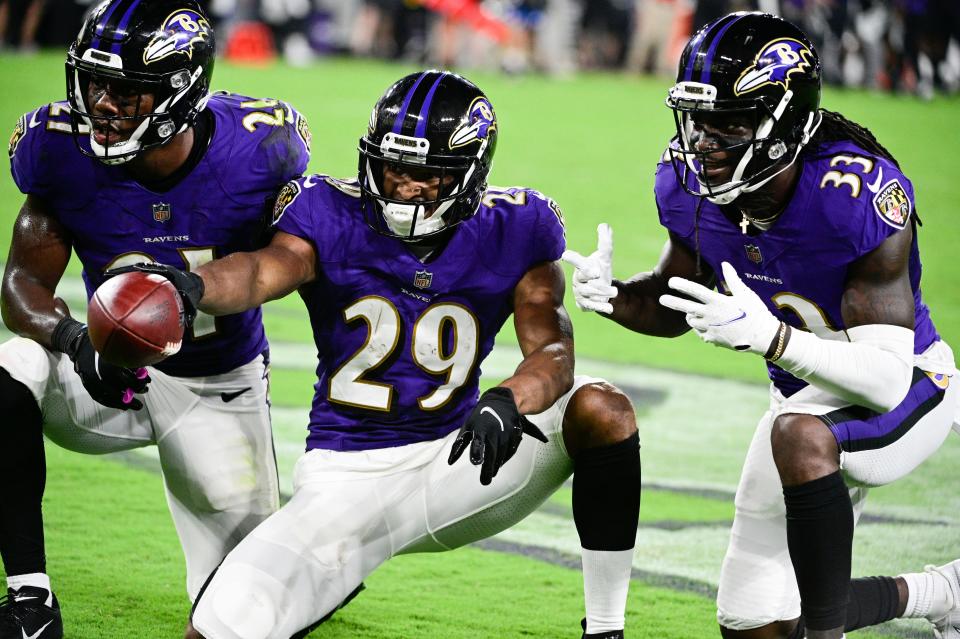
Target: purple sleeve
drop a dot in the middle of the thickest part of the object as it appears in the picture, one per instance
(887, 205)
(549, 240)
(26, 152)
(285, 149)
(672, 202)
(291, 212)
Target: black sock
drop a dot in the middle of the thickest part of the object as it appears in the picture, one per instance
(820, 539)
(24, 476)
(873, 600)
(606, 495)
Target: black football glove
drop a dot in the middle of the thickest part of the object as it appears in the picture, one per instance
(495, 427)
(107, 384)
(189, 285)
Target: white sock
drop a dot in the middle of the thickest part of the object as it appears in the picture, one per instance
(928, 595)
(35, 579)
(606, 579)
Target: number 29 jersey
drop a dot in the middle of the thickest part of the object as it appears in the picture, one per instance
(221, 206)
(400, 342)
(846, 203)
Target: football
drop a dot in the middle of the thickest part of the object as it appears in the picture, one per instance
(135, 319)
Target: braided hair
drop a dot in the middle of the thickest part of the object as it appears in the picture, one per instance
(835, 127)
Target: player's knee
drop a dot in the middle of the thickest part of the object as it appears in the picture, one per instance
(803, 447)
(598, 414)
(237, 604)
(26, 362)
(191, 632)
(777, 630)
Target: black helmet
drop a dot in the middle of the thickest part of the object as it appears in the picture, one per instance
(754, 65)
(432, 122)
(159, 47)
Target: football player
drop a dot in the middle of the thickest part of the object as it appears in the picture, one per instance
(408, 273)
(806, 225)
(140, 164)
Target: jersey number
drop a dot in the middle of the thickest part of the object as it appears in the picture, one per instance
(811, 316)
(347, 385)
(837, 178)
(204, 325)
(278, 114)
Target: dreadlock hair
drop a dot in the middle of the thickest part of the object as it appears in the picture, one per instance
(834, 128)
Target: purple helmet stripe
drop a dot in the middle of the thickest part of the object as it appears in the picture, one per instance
(703, 36)
(705, 74)
(123, 25)
(425, 109)
(398, 122)
(103, 23)
(694, 47)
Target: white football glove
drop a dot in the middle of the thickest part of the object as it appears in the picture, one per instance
(593, 277)
(739, 321)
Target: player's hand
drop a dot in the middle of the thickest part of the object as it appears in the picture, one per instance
(739, 321)
(495, 428)
(593, 278)
(189, 285)
(107, 384)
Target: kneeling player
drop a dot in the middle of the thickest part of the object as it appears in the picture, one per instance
(139, 165)
(808, 222)
(408, 275)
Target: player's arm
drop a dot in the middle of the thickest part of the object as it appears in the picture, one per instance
(637, 303)
(39, 254)
(634, 303)
(497, 423)
(873, 369)
(38, 257)
(876, 367)
(241, 281)
(545, 335)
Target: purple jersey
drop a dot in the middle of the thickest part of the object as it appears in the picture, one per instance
(400, 341)
(220, 207)
(846, 203)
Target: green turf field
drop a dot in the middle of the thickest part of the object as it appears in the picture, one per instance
(591, 143)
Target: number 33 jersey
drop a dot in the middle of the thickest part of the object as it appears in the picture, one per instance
(221, 206)
(846, 203)
(399, 341)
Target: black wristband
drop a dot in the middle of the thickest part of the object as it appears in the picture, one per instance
(197, 288)
(66, 336)
(779, 343)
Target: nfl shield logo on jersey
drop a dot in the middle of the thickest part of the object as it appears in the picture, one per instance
(753, 253)
(423, 279)
(161, 212)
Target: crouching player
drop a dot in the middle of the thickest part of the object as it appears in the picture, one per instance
(408, 274)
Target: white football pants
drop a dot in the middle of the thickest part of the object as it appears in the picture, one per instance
(351, 511)
(757, 582)
(217, 457)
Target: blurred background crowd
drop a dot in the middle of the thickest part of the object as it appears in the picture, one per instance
(909, 46)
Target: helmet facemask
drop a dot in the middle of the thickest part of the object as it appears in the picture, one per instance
(150, 109)
(455, 177)
(771, 148)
